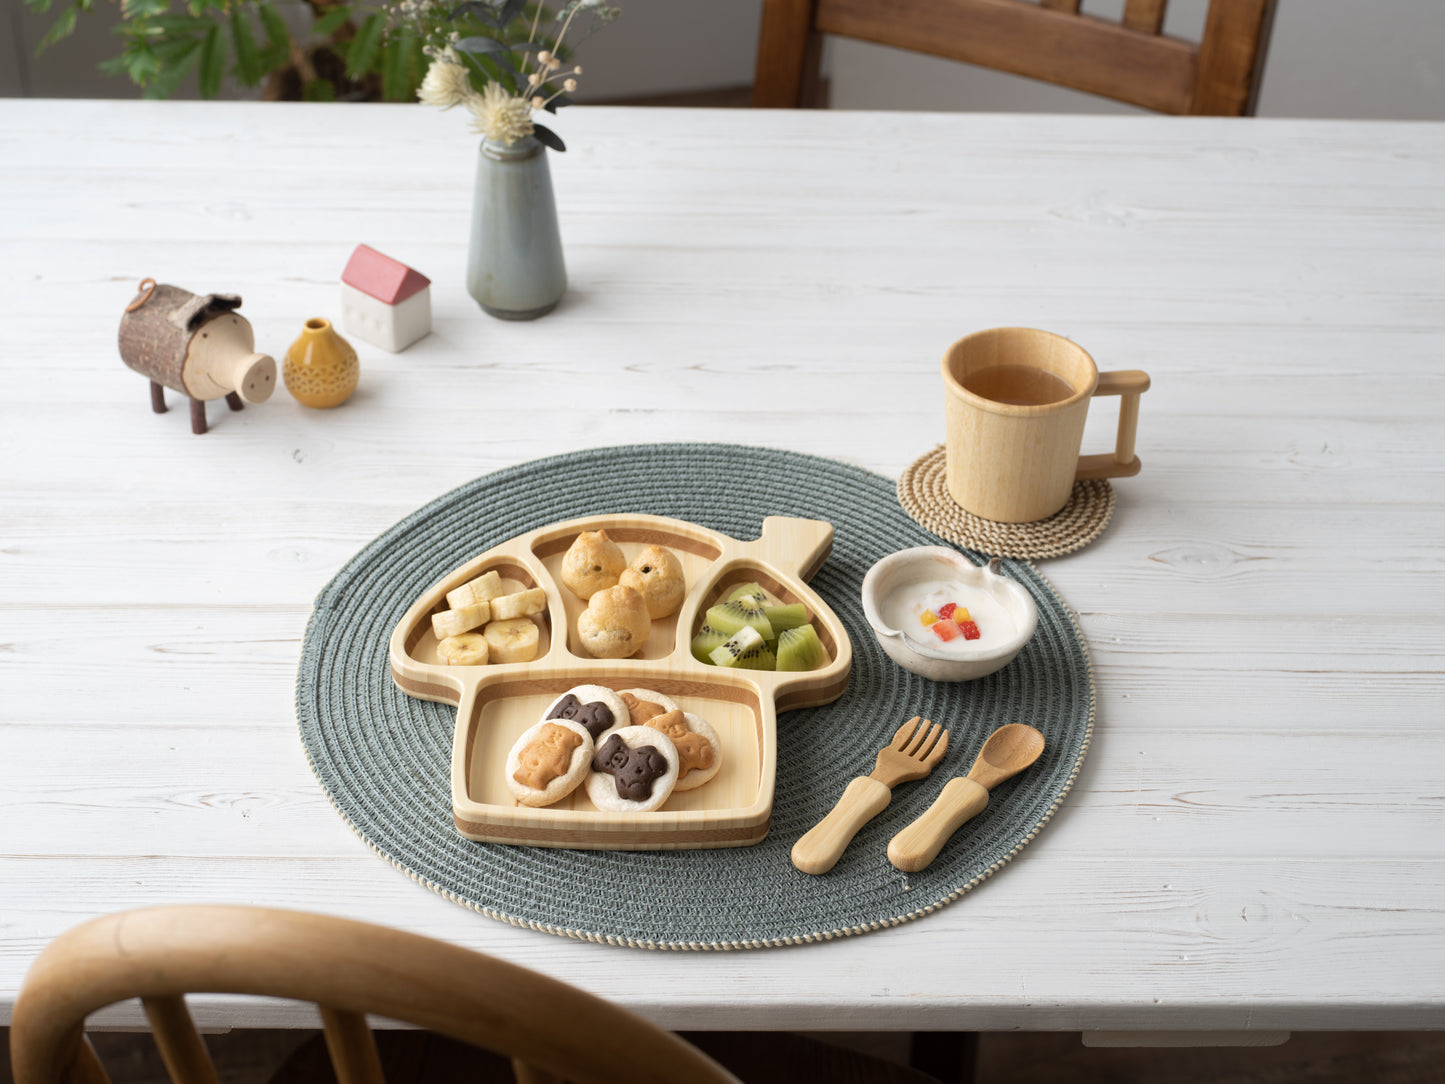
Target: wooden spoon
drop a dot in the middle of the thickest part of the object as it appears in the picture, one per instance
(1009, 750)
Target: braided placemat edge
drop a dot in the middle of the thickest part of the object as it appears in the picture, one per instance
(703, 946)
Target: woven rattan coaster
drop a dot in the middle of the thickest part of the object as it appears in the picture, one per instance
(923, 492)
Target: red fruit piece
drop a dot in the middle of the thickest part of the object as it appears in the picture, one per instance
(946, 610)
(946, 630)
(970, 630)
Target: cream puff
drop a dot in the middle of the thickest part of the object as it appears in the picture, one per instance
(615, 623)
(656, 574)
(593, 562)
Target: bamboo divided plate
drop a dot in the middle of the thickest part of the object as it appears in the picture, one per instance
(497, 702)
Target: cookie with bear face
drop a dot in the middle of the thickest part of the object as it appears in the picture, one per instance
(634, 770)
(699, 750)
(549, 761)
(595, 707)
(643, 704)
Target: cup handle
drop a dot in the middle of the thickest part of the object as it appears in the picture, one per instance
(1123, 463)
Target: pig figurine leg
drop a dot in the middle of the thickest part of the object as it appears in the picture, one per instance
(234, 401)
(198, 416)
(158, 398)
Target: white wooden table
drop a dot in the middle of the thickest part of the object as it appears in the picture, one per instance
(1257, 839)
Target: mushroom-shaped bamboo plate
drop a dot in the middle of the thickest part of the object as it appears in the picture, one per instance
(496, 702)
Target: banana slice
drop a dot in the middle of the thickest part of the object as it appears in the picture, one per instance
(482, 589)
(467, 649)
(513, 640)
(455, 622)
(520, 604)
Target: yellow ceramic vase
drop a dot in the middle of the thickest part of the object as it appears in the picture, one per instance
(320, 369)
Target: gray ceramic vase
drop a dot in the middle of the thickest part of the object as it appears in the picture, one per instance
(514, 265)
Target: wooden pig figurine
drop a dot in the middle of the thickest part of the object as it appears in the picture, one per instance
(197, 345)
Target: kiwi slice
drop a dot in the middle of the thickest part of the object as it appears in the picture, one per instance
(745, 650)
(729, 617)
(800, 649)
(751, 590)
(757, 658)
(705, 642)
(786, 617)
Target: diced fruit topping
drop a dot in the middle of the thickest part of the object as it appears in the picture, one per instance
(961, 615)
(928, 617)
(970, 630)
(946, 630)
(946, 610)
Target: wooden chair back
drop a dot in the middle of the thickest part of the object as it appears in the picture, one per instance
(551, 1031)
(1131, 60)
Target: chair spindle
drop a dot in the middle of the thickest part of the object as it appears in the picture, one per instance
(186, 1057)
(352, 1047)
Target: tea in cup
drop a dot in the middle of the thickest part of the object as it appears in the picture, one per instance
(1015, 412)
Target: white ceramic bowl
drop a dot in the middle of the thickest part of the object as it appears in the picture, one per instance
(924, 564)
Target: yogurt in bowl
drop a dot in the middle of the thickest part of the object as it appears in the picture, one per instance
(907, 593)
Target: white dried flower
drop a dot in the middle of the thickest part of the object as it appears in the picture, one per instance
(569, 85)
(500, 117)
(446, 84)
(577, 68)
(544, 57)
(539, 102)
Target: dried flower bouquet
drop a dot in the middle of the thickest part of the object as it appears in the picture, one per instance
(503, 65)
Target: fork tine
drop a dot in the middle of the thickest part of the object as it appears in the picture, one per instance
(900, 739)
(937, 749)
(919, 737)
(924, 741)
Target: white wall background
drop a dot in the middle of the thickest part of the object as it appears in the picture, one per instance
(1328, 58)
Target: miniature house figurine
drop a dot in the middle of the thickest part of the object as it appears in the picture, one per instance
(198, 345)
(383, 301)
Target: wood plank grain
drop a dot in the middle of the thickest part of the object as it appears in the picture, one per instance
(1262, 612)
(1158, 946)
(251, 793)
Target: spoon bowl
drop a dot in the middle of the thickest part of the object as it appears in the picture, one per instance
(1009, 750)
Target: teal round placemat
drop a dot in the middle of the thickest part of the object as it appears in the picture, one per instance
(384, 758)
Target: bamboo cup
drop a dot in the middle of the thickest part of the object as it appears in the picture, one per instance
(1016, 462)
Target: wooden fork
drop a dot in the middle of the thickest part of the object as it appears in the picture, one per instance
(911, 755)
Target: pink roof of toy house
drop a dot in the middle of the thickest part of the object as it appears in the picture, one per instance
(385, 279)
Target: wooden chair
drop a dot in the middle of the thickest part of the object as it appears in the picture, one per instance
(550, 1030)
(1052, 40)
